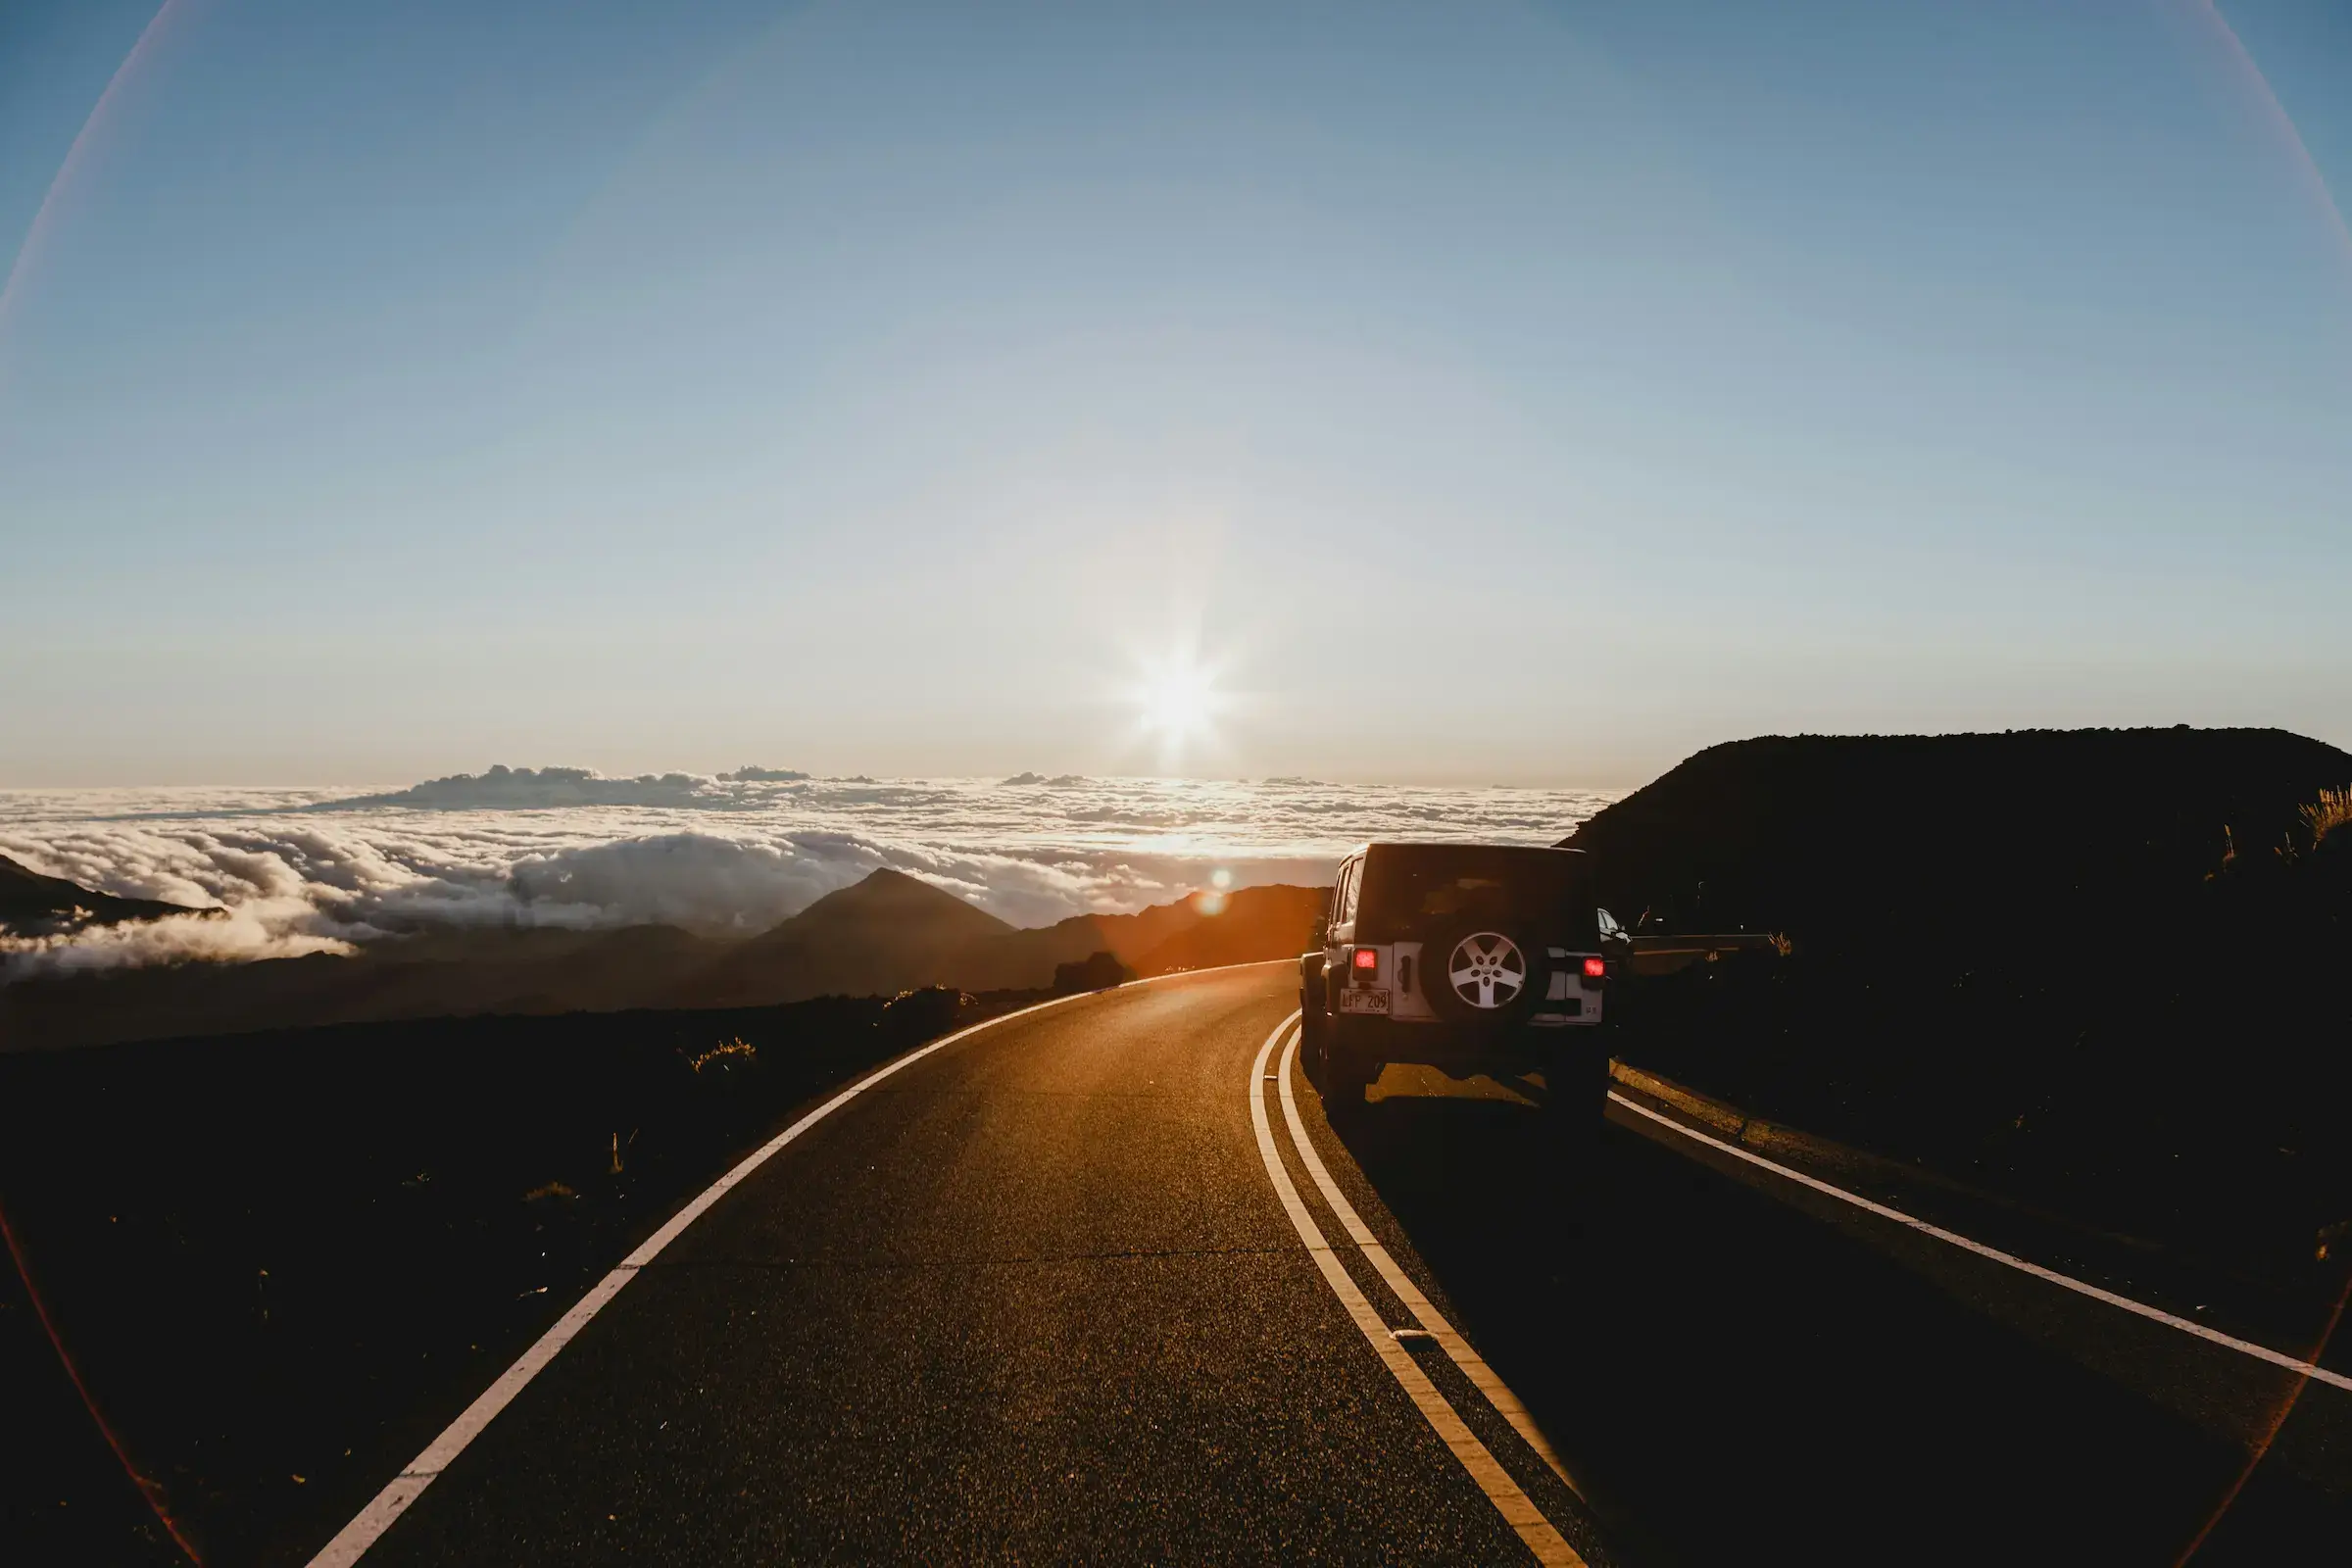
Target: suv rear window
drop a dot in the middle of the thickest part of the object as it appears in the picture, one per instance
(1408, 886)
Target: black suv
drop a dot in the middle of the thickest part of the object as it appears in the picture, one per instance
(1469, 958)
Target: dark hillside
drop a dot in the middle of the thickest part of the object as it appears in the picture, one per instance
(2030, 961)
(443, 974)
(32, 905)
(887, 933)
(1877, 840)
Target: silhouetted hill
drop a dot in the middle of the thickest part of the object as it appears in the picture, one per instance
(1255, 923)
(887, 933)
(1190, 933)
(32, 905)
(1866, 840)
(891, 932)
(2030, 963)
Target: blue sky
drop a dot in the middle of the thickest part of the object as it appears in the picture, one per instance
(1481, 392)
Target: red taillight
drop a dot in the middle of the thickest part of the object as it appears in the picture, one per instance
(1366, 959)
(1594, 968)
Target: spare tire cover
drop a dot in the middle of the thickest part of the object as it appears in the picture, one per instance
(1481, 973)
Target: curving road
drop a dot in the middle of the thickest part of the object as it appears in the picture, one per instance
(1097, 1283)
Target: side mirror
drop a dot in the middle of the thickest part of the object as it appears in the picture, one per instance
(1322, 932)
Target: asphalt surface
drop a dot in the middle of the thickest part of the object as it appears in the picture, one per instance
(1034, 1298)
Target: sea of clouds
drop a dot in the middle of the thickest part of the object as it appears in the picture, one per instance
(291, 871)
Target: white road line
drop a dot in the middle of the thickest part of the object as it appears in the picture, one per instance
(1520, 1513)
(2260, 1353)
(1482, 1376)
(390, 1503)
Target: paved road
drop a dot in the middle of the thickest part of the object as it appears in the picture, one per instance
(1038, 1298)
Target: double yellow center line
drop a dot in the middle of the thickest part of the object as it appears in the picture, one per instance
(1518, 1510)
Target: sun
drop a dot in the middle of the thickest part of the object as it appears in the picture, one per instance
(1177, 702)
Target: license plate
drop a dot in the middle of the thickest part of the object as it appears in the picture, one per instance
(1363, 1002)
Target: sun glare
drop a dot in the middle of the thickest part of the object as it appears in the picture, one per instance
(1177, 701)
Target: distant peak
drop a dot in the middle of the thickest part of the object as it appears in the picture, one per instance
(887, 888)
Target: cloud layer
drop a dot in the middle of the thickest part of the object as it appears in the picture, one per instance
(321, 870)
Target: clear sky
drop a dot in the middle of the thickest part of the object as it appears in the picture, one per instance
(1474, 391)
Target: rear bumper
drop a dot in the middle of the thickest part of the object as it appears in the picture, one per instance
(1458, 1052)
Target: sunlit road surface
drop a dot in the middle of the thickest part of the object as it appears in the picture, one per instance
(1041, 1296)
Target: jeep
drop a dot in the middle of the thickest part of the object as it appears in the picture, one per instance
(1468, 957)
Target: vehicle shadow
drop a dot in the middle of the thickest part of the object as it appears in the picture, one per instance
(1731, 1379)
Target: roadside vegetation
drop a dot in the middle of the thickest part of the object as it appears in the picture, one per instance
(2322, 816)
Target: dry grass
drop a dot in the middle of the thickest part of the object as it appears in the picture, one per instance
(2331, 810)
(726, 1053)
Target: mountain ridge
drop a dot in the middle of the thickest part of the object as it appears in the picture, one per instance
(887, 933)
(35, 905)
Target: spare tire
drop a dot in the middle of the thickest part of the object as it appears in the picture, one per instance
(1482, 975)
